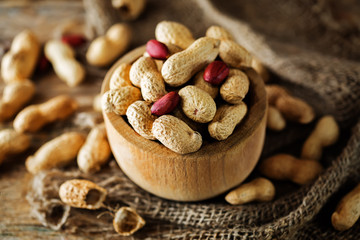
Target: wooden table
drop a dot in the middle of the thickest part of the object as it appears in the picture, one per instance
(42, 17)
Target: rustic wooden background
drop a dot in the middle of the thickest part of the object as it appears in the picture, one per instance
(44, 17)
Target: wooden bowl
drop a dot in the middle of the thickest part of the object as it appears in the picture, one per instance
(217, 167)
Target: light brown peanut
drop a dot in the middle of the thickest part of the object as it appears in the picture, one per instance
(176, 135)
(127, 221)
(174, 33)
(260, 69)
(287, 167)
(129, 9)
(197, 104)
(62, 58)
(97, 103)
(144, 73)
(139, 68)
(199, 82)
(58, 152)
(121, 76)
(159, 64)
(259, 189)
(34, 117)
(173, 48)
(275, 120)
(218, 32)
(235, 87)
(105, 49)
(12, 142)
(16, 94)
(274, 92)
(19, 63)
(227, 117)
(347, 211)
(233, 54)
(140, 118)
(95, 152)
(295, 110)
(181, 66)
(80, 193)
(326, 133)
(292, 108)
(152, 86)
(118, 100)
(196, 126)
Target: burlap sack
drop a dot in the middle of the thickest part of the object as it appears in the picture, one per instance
(310, 50)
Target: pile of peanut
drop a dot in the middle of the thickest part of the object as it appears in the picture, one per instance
(91, 151)
(17, 66)
(140, 91)
(189, 67)
(299, 170)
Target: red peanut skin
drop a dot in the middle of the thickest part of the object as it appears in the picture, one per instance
(74, 40)
(157, 50)
(43, 64)
(216, 72)
(166, 104)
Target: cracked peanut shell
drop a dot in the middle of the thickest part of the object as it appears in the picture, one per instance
(118, 100)
(81, 193)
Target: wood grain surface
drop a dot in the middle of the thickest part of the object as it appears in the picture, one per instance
(43, 17)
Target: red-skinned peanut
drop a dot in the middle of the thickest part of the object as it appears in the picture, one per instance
(43, 64)
(216, 72)
(166, 104)
(157, 50)
(74, 40)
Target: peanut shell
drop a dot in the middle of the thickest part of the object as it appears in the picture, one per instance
(95, 152)
(199, 82)
(235, 87)
(12, 142)
(218, 32)
(197, 104)
(140, 118)
(81, 193)
(174, 33)
(176, 135)
(58, 152)
(127, 221)
(121, 76)
(227, 117)
(181, 66)
(233, 54)
(118, 100)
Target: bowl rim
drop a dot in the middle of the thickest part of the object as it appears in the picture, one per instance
(243, 131)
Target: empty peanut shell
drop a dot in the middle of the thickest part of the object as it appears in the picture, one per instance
(127, 221)
(82, 194)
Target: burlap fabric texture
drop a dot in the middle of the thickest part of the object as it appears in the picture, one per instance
(309, 50)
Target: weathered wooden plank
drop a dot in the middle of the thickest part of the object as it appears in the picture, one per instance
(40, 16)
